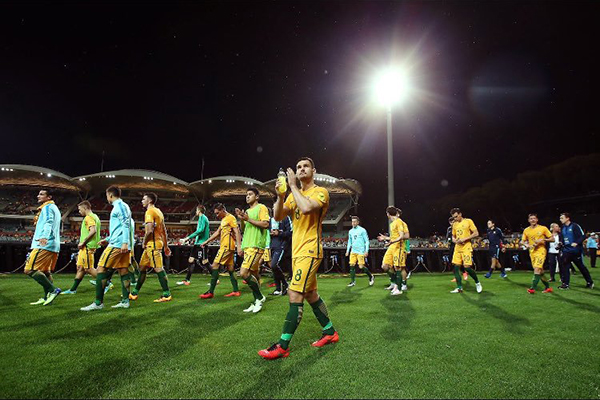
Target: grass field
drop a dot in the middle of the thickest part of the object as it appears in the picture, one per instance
(502, 343)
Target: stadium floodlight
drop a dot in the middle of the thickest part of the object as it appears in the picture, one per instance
(392, 87)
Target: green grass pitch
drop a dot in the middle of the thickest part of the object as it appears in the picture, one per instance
(502, 343)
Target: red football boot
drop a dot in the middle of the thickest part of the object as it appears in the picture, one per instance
(207, 295)
(272, 284)
(549, 290)
(233, 294)
(273, 352)
(530, 291)
(326, 339)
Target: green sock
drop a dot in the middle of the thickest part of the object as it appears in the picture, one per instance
(164, 283)
(43, 280)
(76, 283)
(253, 283)
(292, 320)
(352, 274)
(472, 274)
(399, 277)
(544, 281)
(366, 271)
(214, 277)
(233, 280)
(457, 276)
(392, 274)
(320, 310)
(140, 282)
(101, 280)
(125, 286)
(404, 282)
(536, 280)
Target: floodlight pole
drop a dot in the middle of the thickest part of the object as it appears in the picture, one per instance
(390, 157)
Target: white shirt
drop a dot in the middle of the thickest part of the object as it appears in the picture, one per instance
(553, 245)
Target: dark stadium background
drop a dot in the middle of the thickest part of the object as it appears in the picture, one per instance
(249, 87)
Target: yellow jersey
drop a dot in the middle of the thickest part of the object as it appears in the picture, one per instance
(227, 240)
(462, 230)
(397, 229)
(308, 228)
(530, 235)
(155, 216)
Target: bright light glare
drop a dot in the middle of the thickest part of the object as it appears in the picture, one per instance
(391, 87)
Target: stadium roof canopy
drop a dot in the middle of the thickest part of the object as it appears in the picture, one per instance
(132, 179)
(336, 186)
(29, 175)
(227, 186)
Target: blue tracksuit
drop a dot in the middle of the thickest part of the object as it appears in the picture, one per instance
(47, 227)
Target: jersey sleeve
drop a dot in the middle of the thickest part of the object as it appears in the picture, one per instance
(232, 221)
(263, 213)
(149, 216)
(89, 222)
(524, 237)
(288, 202)
(472, 226)
(321, 195)
(453, 230)
(547, 233)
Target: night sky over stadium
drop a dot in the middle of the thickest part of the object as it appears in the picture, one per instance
(502, 87)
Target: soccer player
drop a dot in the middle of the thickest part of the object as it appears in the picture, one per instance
(255, 223)
(534, 238)
(197, 253)
(116, 256)
(463, 231)
(394, 260)
(572, 237)
(88, 243)
(226, 232)
(496, 240)
(45, 247)
(307, 207)
(281, 253)
(358, 250)
(155, 239)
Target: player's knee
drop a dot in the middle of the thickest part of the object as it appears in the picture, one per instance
(244, 273)
(191, 260)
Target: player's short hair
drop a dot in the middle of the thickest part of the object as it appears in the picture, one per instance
(455, 210)
(310, 160)
(393, 211)
(219, 206)
(552, 225)
(85, 204)
(356, 218)
(492, 221)
(201, 208)
(152, 196)
(533, 215)
(114, 190)
(566, 214)
(49, 192)
(253, 190)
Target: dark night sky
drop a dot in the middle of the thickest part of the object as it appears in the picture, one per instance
(503, 87)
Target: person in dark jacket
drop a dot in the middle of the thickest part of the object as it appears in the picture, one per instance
(571, 238)
(281, 253)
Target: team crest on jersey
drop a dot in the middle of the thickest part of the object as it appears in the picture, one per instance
(321, 196)
(297, 213)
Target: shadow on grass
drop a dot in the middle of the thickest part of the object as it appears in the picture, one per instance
(586, 291)
(400, 313)
(279, 374)
(524, 285)
(7, 301)
(584, 306)
(513, 323)
(345, 296)
(90, 384)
